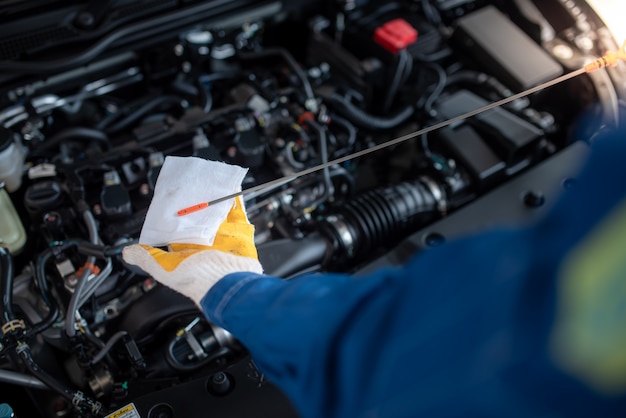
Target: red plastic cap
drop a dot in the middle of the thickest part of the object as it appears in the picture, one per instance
(395, 35)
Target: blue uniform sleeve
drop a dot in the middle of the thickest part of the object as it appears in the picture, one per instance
(461, 330)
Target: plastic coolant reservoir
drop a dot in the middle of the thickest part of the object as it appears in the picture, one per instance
(11, 160)
(12, 232)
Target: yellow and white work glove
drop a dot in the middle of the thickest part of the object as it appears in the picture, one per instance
(192, 269)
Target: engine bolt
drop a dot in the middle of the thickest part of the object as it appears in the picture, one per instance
(72, 281)
(563, 51)
(534, 199)
(315, 72)
(144, 189)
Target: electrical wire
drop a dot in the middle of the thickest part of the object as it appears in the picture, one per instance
(103, 251)
(329, 189)
(72, 309)
(291, 159)
(92, 227)
(23, 350)
(95, 283)
(431, 13)
(347, 126)
(92, 338)
(42, 284)
(401, 73)
(204, 82)
(208, 100)
(6, 277)
(339, 171)
(408, 69)
(382, 10)
(108, 346)
(77, 399)
(425, 146)
(437, 90)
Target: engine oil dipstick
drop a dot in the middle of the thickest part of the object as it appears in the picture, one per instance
(610, 59)
(193, 208)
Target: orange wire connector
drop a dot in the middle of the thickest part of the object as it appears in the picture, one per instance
(610, 59)
(192, 209)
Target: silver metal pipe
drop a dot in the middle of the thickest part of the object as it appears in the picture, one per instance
(7, 376)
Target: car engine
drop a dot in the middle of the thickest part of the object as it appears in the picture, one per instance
(95, 95)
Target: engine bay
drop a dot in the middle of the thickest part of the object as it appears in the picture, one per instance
(96, 96)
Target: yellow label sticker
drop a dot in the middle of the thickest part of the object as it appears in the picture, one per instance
(129, 411)
(589, 335)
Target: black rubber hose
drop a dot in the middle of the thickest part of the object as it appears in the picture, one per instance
(329, 190)
(431, 13)
(24, 350)
(286, 55)
(381, 216)
(365, 120)
(142, 111)
(6, 272)
(478, 78)
(102, 251)
(402, 68)
(349, 128)
(118, 336)
(382, 10)
(438, 89)
(73, 305)
(375, 218)
(78, 132)
(46, 295)
(432, 57)
(76, 398)
(38, 372)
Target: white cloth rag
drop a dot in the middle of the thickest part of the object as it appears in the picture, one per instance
(183, 182)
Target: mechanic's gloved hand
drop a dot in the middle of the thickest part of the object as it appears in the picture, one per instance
(193, 269)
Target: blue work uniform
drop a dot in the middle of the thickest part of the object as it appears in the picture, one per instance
(509, 323)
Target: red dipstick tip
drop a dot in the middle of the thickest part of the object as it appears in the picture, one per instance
(192, 209)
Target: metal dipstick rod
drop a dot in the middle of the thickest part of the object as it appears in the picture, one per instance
(610, 59)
